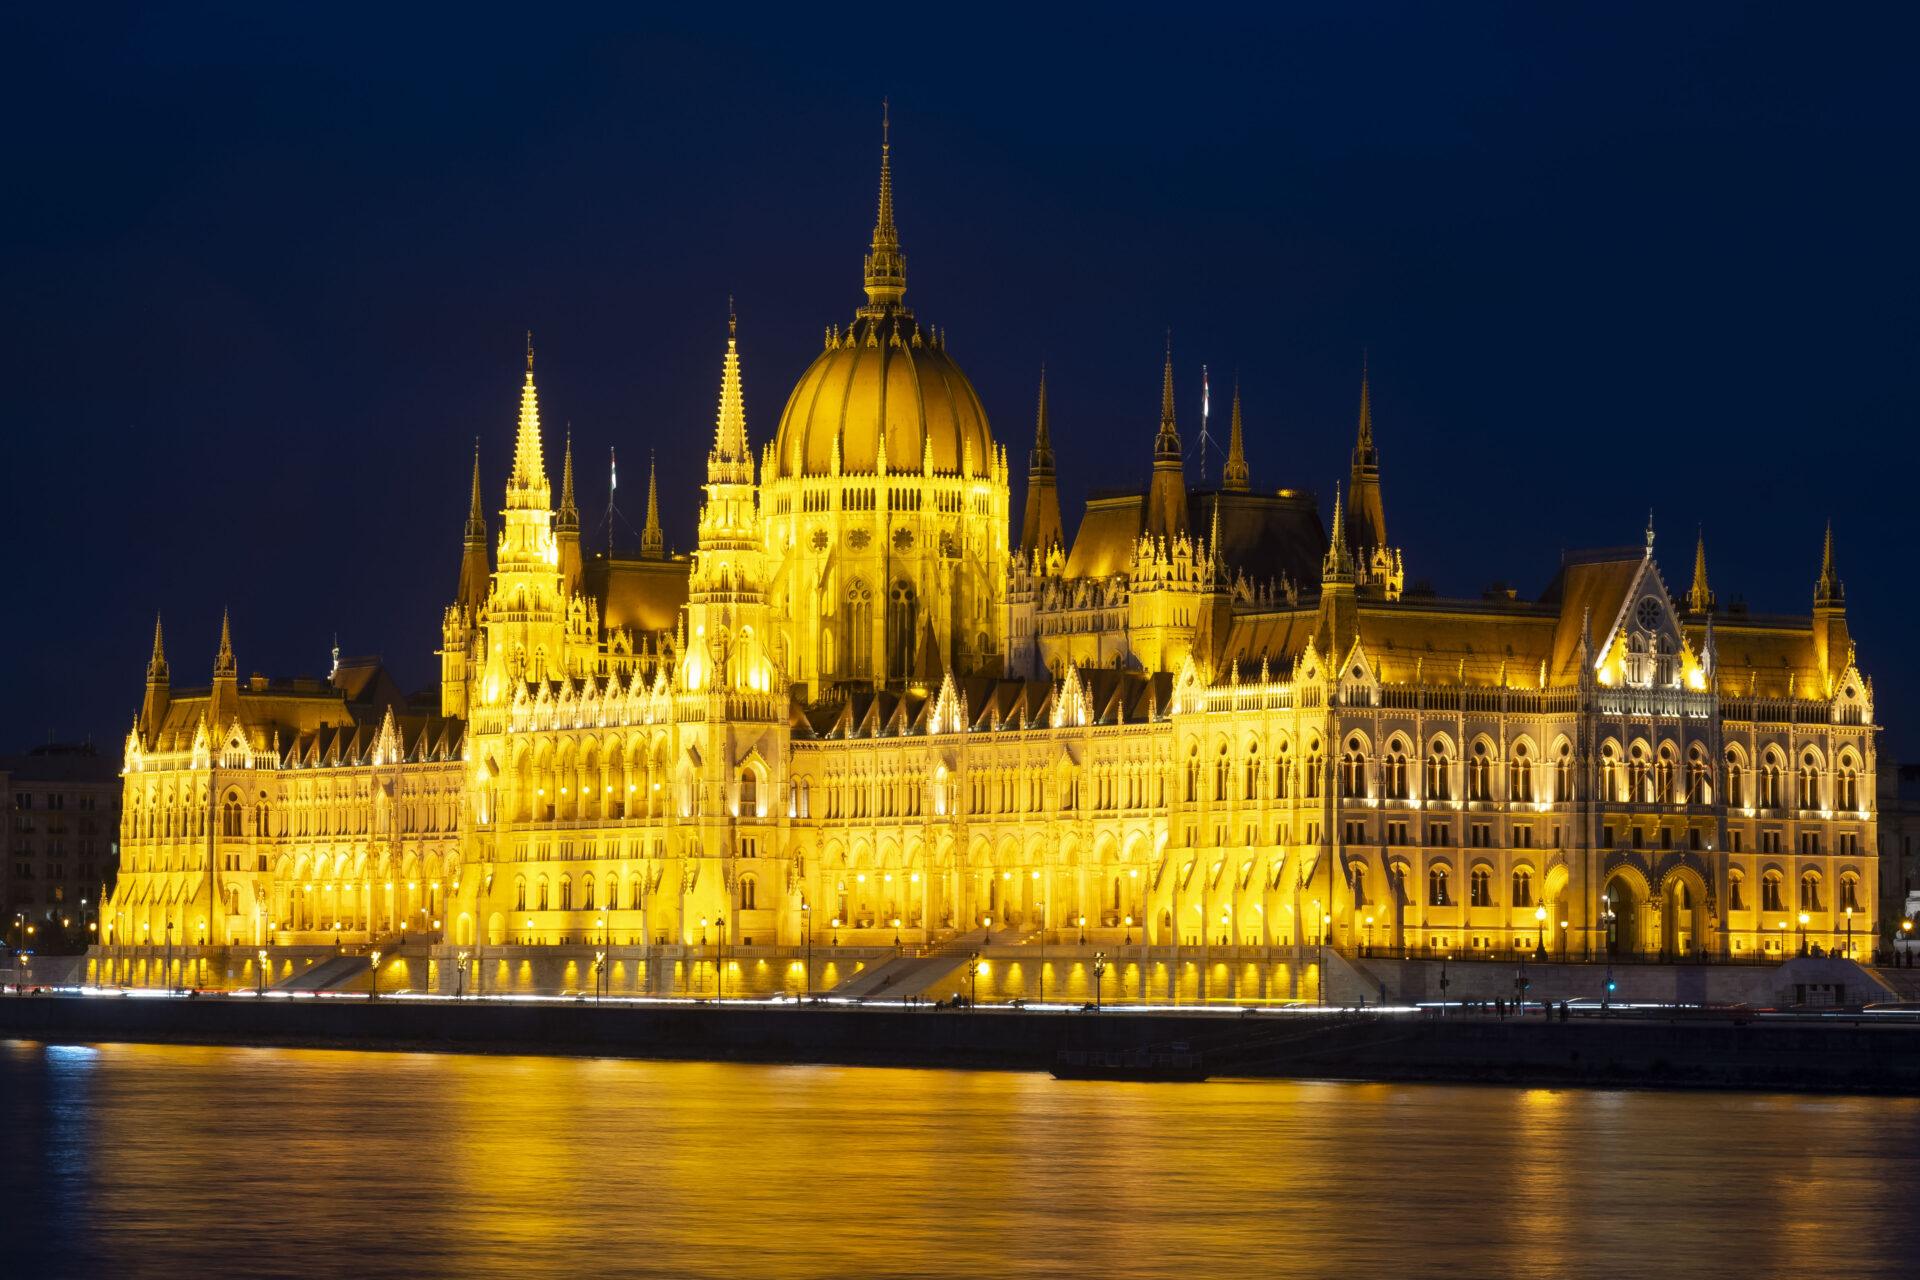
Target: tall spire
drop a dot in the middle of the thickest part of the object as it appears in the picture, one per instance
(529, 478)
(886, 266)
(223, 661)
(652, 543)
(731, 461)
(1040, 529)
(569, 514)
(1700, 595)
(1338, 566)
(1367, 531)
(157, 664)
(1829, 592)
(1168, 441)
(1235, 477)
(1167, 496)
(476, 532)
(471, 592)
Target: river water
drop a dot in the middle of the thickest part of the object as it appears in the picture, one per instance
(205, 1163)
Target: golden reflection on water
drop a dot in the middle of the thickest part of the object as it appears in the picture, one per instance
(208, 1162)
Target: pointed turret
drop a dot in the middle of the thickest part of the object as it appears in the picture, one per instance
(1167, 496)
(153, 708)
(1367, 523)
(731, 460)
(1338, 564)
(568, 517)
(1339, 620)
(223, 661)
(472, 591)
(1832, 642)
(886, 266)
(1235, 478)
(566, 526)
(1700, 595)
(1040, 527)
(652, 544)
(527, 487)
(1829, 592)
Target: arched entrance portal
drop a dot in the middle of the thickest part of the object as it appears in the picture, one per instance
(1620, 913)
(1683, 917)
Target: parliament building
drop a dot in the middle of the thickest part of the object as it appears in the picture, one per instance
(877, 708)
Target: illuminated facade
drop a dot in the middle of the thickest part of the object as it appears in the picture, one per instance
(862, 713)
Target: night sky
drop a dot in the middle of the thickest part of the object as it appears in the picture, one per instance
(267, 275)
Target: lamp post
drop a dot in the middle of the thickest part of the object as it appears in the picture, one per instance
(1099, 972)
(600, 957)
(1803, 933)
(1083, 931)
(1540, 928)
(1445, 982)
(1849, 951)
(261, 973)
(806, 929)
(1563, 942)
(973, 973)
(703, 951)
(373, 991)
(460, 977)
(169, 955)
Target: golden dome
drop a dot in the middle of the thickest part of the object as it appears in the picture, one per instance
(884, 378)
(902, 387)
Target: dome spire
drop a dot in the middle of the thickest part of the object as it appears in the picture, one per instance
(886, 266)
(569, 513)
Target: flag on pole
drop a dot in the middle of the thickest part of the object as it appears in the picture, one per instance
(613, 471)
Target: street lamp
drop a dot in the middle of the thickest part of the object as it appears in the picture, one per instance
(974, 966)
(460, 977)
(1803, 933)
(1849, 952)
(373, 992)
(169, 955)
(600, 957)
(261, 956)
(806, 928)
(1128, 940)
(1083, 931)
(1540, 927)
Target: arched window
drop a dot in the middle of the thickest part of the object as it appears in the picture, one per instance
(1312, 789)
(1736, 897)
(520, 893)
(230, 816)
(1810, 891)
(1663, 776)
(859, 630)
(1353, 770)
(1850, 892)
(1437, 885)
(1770, 899)
(1283, 773)
(1610, 774)
(1522, 887)
(586, 893)
(1736, 782)
(1520, 775)
(1439, 772)
(543, 893)
(747, 892)
(1563, 775)
(1665, 664)
(1221, 770)
(1636, 658)
(1771, 770)
(1480, 887)
(1809, 782)
(903, 612)
(749, 793)
(1193, 775)
(1847, 787)
(1253, 772)
(1394, 770)
(1480, 774)
(1699, 780)
(566, 893)
(1639, 784)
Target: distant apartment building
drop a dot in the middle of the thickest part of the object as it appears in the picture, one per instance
(61, 844)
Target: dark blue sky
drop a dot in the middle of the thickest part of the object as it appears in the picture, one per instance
(266, 275)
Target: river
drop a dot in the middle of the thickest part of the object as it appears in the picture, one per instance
(206, 1163)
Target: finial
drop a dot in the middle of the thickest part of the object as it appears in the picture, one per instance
(732, 322)
(529, 351)
(1649, 530)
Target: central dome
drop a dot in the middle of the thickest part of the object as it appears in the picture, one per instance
(882, 380)
(883, 384)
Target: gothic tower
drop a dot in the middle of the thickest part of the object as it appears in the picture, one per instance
(1040, 527)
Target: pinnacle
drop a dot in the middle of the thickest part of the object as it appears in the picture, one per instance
(1235, 476)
